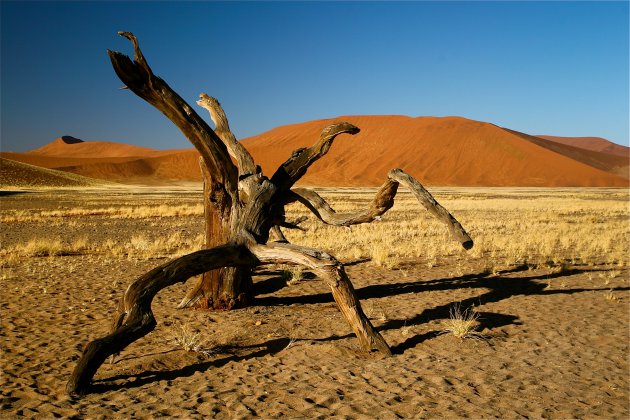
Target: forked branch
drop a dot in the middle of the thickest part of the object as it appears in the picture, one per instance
(301, 159)
(335, 275)
(244, 160)
(139, 78)
(382, 202)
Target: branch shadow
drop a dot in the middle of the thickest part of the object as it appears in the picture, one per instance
(135, 380)
(501, 287)
(270, 285)
(6, 193)
(157, 353)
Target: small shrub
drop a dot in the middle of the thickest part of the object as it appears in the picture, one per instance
(42, 248)
(611, 296)
(380, 256)
(187, 339)
(293, 274)
(462, 324)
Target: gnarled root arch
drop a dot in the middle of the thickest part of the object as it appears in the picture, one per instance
(247, 207)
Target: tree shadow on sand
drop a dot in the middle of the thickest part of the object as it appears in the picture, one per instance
(501, 287)
(135, 380)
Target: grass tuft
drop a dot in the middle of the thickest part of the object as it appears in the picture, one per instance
(462, 324)
(187, 339)
(293, 274)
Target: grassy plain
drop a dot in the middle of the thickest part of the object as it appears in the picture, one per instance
(544, 293)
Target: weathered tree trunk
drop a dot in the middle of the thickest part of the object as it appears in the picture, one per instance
(242, 208)
(226, 287)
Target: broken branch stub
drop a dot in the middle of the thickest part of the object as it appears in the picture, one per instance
(139, 78)
(426, 199)
(244, 160)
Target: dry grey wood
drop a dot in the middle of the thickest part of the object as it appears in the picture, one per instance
(134, 318)
(301, 159)
(244, 160)
(382, 202)
(327, 267)
(426, 199)
(139, 78)
(240, 212)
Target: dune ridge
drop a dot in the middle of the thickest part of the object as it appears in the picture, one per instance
(70, 147)
(596, 144)
(18, 174)
(449, 151)
(439, 151)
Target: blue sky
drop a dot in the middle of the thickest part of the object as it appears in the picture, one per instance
(558, 68)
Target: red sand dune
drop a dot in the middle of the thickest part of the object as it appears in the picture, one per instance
(70, 147)
(18, 174)
(437, 150)
(176, 166)
(613, 163)
(597, 144)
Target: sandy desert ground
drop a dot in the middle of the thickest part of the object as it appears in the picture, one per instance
(548, 279)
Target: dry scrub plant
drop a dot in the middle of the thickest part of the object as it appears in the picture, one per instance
(462, 324)
(292, 274)
(186, 338)
(554, 228)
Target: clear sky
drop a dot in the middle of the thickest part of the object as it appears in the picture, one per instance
(557, 68)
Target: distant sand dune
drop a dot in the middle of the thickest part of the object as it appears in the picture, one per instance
(439, 151)
(596, 144)
(17, 174)
(70, 147)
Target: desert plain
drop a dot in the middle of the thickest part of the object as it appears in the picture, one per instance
(546, 288)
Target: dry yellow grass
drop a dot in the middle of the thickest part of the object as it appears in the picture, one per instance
(581, 312)
(462, 323)
(554, 228)
(122, 212)
(186, 338)
(510, 227)
(293, 273)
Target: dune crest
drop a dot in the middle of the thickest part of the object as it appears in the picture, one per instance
(438, 151)
(71, 147)
(449, 151)
(596, 144)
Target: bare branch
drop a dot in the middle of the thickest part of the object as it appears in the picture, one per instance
(333, 272)
(244, 160)
(136, 305)
(426, 199)
(296, 166)
(139, 78)
(277, 235)
(382, 202)
(295, 224)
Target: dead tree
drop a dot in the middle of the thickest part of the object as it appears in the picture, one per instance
(242, 207)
